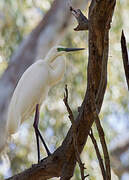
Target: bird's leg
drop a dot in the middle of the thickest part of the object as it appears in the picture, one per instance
(38, 132)
(38, 148)
(35, 125)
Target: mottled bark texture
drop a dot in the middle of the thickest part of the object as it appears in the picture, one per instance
(62, 162)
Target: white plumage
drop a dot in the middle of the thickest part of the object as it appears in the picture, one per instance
(33, 87)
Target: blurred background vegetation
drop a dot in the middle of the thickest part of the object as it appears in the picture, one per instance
(17, 19)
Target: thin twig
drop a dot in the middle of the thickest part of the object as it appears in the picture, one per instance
(71, 117)
(104, 147)
(125, 57)
(103, 143)
(83, 23)
(101, 136)
(98, 154)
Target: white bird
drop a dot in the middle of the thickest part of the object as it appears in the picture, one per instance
(33, 88)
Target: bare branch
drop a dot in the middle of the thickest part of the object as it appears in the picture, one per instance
(125, 57)
(104, 147)
(71, 117)
(98, 154)
(101, 136)
(44, 170)
(82, 20)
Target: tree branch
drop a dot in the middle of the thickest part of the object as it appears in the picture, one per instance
(125, 57)
(82, 20)
(98, 154)
(102, 138)
(104, 147)
(71, 117)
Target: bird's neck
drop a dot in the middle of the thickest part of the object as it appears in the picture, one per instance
(57, 69)
(50, 58)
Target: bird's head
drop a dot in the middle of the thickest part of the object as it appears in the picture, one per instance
(59, 51)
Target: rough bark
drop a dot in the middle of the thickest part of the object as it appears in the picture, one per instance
(47, 33)
(62, 162)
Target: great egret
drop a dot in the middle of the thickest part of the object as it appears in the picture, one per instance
(32, 89)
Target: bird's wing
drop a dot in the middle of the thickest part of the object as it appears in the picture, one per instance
(31, 89)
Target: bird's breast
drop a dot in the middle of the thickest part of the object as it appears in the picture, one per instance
(31, 90)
